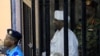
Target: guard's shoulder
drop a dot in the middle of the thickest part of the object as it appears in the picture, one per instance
(97, 21)
(17, 53)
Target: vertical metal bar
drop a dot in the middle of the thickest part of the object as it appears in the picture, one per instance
(26, 29)
(11, 14)
(56, 4)
(52, 8)
(33, 26)
(84, 27)
(21, 26)
(98, 42)
(72, 14)
(41, 38)
(65, 28)
(18, 15)
(47, 26)
(29, 29)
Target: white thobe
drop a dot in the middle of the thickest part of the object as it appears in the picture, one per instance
(57, 43)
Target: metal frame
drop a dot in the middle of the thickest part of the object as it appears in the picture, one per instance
(72, 14)
(84, 28)
(66, 28)
(47, 26)
(41, 28)
(13, 14)
(33, 27)
(44, 22)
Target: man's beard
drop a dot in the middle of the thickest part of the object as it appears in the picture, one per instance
(57, 27)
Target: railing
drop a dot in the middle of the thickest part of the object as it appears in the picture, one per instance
(46, 13)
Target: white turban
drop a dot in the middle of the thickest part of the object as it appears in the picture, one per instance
(59, 15)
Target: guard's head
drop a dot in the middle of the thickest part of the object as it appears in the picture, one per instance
(91, 3)
(59, 19)
(91, 7)
(12, 38)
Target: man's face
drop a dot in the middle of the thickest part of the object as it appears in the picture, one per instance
(56, 23)
(89, 11)
(8, 41)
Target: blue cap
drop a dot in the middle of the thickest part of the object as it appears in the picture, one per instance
(14, 34)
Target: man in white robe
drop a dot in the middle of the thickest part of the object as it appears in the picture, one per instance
(57, 42)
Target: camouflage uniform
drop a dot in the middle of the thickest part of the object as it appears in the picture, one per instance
(91, 36)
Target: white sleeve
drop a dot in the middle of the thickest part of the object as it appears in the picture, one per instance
(73, 45)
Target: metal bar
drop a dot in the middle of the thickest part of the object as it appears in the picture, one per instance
(98, 42)
(33, 26)
(84, 27)
(29, 29)
(72, 14)
(21, 26)
(47, 26)
(26, 29)
(66, 28)
(41, 38)
(11, 14)
(56, 4)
